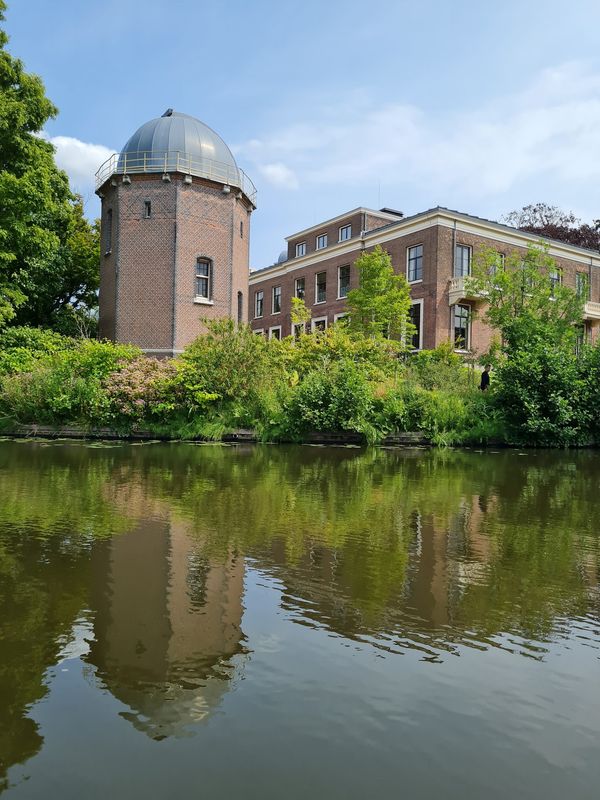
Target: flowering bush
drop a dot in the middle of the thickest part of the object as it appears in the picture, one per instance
(143, 389)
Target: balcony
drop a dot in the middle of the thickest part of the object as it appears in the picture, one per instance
(175, 161)
(591, 311)
(457, 291)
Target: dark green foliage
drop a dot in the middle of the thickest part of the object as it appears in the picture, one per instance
(49, 254)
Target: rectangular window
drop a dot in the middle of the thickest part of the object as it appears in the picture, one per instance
(301, 249)
(497, 265)
(275, 333)
(345, 233)
(240, 307)
(321, 241)
(241, 229)
(276, 306)
(416, 317)
(415, 263)
(147, 209)
(300, 288)
(298, 329)
(582, 285)
(108, 234)
(203, 287)
(462, 261)
(462, 327)
(319, 324)
(555, 279)
(343, 281)
(259, 301)
(259, 332)
(320, 287)
(340, 317)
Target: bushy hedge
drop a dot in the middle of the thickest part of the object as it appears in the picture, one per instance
(332, 381)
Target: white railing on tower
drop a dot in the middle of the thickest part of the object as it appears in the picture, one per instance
(175, 161)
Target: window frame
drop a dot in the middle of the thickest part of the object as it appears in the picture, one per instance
(408, 262)
(344, 238)
(207, 298)
(469, 250)
(341, 296)
(315, 320)
(273, 290)
(297, 250)
(342, 315)
(585, 294)
(275, 328)
(296, 335)
(323, 236)
(419, 302)
(147, 209)
(109, 232)
(317, 301)
(262, 301)
(467, 345)
(301, 278)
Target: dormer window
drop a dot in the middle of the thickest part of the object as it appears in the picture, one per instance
(321, 241)
(300, 249)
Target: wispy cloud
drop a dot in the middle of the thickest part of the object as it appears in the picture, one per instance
(80, 160)
(548, 127)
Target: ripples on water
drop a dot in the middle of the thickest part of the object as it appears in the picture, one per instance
(297, 621)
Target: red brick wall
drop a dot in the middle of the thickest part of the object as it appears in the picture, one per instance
(156, 257)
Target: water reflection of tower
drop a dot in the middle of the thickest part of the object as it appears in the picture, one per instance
(167, 630)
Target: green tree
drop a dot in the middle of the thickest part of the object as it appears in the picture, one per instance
(49, 253)
(300, 314)
(525, 298)
(381, 304)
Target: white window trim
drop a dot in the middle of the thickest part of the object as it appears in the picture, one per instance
(323, 246)
(313, 323)
(343, 228)
(203, 301)
(302, 277)
(341, 315)
(300, 244)
(419, 302)
(259, 316)
(274, 328)
(408, 249)
(320, 302)
(259, 330)
(469, 329)
(341, 296)
(273, 312)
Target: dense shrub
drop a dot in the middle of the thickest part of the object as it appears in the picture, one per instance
(544, 394)
(65, 386)
(337, 399)
(21, 348)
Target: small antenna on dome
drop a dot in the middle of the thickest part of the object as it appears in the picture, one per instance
(168, 112)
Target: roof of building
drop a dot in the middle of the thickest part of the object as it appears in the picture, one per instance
(448, 212)
(175, 132)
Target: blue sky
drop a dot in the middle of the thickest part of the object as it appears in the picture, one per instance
(482, 107)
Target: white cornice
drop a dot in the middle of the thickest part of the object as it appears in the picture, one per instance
(409, 225)
(339, 218)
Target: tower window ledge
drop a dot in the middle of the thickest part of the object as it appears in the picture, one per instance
(204, 301)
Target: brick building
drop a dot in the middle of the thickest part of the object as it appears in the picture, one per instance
(434, 249)
(175, 235)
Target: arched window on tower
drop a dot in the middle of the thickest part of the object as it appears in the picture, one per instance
(240, 308)
(204, 278)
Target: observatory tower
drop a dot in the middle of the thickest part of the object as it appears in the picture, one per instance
(175, 233)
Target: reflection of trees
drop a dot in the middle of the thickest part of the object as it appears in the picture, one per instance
(418, 549)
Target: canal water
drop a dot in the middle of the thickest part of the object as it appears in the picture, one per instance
(181, 620)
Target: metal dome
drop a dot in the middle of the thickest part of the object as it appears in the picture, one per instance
(179, 133)
(177, 143)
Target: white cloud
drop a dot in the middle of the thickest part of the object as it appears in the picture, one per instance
(279, 175)
(545, 130)
(80, 160)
